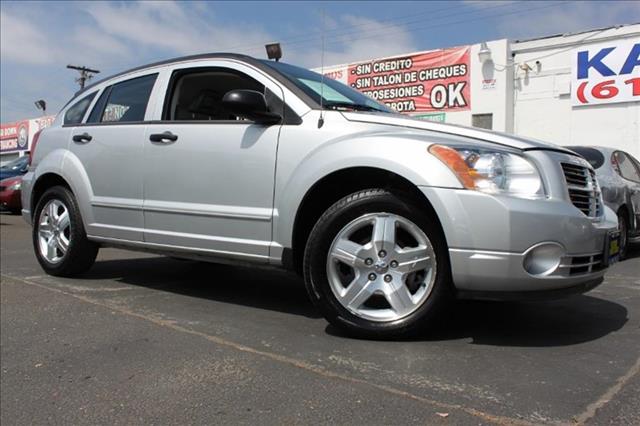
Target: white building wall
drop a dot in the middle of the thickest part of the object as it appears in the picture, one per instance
(543, 107)
(492, 99)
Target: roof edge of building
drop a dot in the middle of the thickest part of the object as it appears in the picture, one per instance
(575, 33)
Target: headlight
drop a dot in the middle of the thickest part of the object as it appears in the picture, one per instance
(491, 171)
(15, 186)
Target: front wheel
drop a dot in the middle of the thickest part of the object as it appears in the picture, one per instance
(59, 238)
(377, 266)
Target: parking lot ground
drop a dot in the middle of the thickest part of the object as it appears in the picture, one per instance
(148, 339)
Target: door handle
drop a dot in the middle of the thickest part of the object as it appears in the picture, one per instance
(166, 137)
(83, 138)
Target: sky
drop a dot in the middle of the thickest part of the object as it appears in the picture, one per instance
(38, 39)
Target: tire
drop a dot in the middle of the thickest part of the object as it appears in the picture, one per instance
(15, 211)
(52, 233)
(623, 227)
(382, 310)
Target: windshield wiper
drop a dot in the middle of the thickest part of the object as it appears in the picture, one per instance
(351, 105)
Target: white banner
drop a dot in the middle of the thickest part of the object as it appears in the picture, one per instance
(606, 73)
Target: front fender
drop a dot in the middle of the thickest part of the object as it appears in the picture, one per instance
(404, 154)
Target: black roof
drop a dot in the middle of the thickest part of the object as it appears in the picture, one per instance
(258, 63)
(212, 55)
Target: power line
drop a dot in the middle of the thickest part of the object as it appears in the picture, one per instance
(363, 35)
(490, 16)
(314, 34)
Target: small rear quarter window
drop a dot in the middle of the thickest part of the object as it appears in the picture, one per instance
(76, 112)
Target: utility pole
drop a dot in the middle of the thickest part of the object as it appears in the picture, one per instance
(85, 74)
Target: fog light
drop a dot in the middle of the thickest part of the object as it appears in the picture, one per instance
(543, 259)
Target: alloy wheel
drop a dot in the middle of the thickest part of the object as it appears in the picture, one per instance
(54, 231)
(381, 267)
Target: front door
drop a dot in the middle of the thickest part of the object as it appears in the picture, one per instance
(209, 176)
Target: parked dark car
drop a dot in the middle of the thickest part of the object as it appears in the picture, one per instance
(10, 194)
(618, 174)
(17, 167)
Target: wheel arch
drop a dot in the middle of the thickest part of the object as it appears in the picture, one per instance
(64, 168)
(338, 184)
(43, 182)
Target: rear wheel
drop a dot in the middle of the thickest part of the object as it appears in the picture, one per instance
(59, 238)
(376, 265)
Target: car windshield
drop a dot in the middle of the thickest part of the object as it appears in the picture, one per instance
(592, 155)
(334, 94)
(17, 164)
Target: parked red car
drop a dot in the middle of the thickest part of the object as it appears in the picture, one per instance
(10, 194)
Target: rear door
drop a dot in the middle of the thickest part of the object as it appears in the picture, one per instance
(210, 186)
(110, 147)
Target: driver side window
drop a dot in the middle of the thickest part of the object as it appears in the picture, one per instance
(196, 94)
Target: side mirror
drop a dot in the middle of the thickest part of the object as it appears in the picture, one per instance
(250, 104)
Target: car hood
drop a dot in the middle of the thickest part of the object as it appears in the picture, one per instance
(467, 132)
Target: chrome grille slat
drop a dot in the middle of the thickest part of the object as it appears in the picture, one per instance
(576, 176)
(578, 265)
(585, 196)
(582, 264)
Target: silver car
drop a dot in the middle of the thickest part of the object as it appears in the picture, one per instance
(618, 173)
(227, 158)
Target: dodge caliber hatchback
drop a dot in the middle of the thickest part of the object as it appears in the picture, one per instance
(224, 157)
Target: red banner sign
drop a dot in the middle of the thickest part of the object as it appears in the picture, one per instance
(437, 80)
(14, 136)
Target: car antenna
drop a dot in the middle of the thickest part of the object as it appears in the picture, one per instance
(321, 119)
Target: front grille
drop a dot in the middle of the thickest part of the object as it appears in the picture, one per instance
(583, 189)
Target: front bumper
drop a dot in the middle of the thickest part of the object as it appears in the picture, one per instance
(489, 237)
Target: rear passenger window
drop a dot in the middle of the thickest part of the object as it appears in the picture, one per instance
(76, 112)
(124, 102)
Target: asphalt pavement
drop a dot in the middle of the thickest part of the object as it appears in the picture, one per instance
(149, 339)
